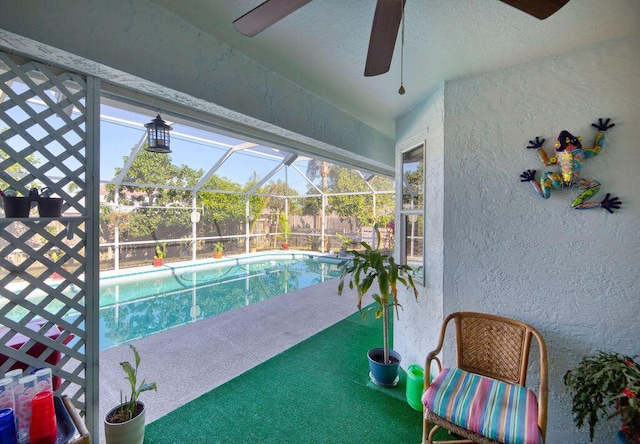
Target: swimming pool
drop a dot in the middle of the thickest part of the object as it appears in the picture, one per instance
(141, 304)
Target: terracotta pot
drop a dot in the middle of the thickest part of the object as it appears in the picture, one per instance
(158, 262)
(217, 255)
(285, 246)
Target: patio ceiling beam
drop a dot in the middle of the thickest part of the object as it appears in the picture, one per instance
(245, 146)
(287, 161)
(407, 186)
(215, 167)
(368, 177)
(8, 83)
(161, 186)
(366, 181)
(132, 157)
(307, 179)
(59, 98)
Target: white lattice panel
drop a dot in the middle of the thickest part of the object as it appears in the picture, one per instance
(43, 296)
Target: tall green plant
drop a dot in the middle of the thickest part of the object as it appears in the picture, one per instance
(373, 265)
(285, 228)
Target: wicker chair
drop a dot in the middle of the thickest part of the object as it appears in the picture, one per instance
(491, 372)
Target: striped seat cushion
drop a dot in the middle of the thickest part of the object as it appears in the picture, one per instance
(503, 412)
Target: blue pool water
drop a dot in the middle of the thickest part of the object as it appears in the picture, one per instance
(139, 305)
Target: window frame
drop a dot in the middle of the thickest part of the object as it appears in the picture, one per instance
(403, 214)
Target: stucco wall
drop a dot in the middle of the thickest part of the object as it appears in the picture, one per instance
(572, 274)
(141, 45)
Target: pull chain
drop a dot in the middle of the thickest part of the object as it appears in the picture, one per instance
(401, 90)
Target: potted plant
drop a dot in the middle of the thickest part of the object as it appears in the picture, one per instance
(366, 267)
(125, 423)
(285, 230)
(161, 253)
(603, 386)
(54, 257)
(346, 244)
(218, 249)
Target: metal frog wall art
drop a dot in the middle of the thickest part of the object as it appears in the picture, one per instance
(570, 156)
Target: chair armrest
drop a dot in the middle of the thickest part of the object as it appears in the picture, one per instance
(433, 355)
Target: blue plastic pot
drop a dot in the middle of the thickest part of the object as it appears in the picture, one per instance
(384, 375)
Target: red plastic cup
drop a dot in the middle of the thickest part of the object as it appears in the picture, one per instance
(44, 429)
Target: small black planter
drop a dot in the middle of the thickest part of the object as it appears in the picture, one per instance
(50, 206)
(384, 375)
(16, 206)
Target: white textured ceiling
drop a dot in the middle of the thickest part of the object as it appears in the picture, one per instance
(322, 47)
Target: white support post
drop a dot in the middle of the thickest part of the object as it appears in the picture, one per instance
(323, 222)
(194, 229)
(247, 224)
(92, 258)
(116, 230)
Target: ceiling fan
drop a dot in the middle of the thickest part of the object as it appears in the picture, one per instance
(384, 31)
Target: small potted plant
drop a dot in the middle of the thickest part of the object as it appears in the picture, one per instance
(603, 386)
(125, 423)
(161, 253)
(346, 244)
(54, 257)
(285, 230)
(365, 268)
(218, 249)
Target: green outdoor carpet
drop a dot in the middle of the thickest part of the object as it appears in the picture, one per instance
(315, 392)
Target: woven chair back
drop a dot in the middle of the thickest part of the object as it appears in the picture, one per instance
(493, 346)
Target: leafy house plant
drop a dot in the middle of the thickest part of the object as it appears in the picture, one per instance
(54, 257)
(218, 249)
(345, 243)
(361, 272)
(161, 253)
(125, 423)
(603, 386)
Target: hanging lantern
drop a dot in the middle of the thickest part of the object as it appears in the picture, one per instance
(158, 136)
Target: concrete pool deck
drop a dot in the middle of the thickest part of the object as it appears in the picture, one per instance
(190, 360)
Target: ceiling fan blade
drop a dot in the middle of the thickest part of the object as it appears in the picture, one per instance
(540, 9)
(265, 15)
(384, 33)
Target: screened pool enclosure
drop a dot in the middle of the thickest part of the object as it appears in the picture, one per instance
(216, 191)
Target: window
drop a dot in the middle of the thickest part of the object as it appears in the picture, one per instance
(412, 210)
